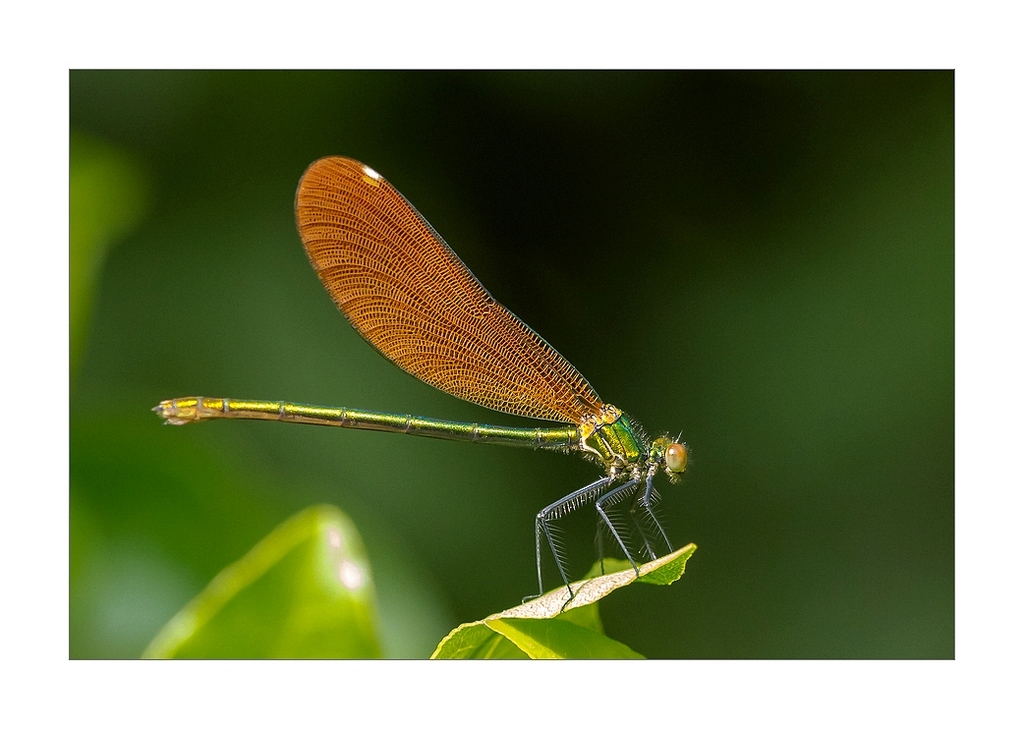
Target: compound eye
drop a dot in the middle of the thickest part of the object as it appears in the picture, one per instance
(675, 457)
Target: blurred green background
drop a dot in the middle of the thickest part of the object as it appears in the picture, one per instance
(763, 261)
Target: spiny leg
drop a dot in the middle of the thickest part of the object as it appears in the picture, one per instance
(611, 497)
(644, 502)
(565, 505)
(618, 525)
(639, 527)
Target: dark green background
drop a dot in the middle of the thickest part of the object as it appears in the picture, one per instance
(763, 261)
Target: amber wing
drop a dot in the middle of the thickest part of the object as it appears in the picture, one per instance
(410, 296)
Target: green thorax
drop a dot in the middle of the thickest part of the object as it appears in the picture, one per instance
(613, 438)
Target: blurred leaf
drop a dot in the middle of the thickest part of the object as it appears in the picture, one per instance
(541, 629)
(108, 198)
(303, 592)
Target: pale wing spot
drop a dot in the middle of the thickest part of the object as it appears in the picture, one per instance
(371, 175)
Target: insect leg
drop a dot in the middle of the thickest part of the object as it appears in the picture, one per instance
(565, 505)
(611, 497)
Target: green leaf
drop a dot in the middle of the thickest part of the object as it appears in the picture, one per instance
(304, 591)
(477, 640)
(558, 639)
(549, 627)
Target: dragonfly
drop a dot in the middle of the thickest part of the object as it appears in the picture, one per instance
(410, 296)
